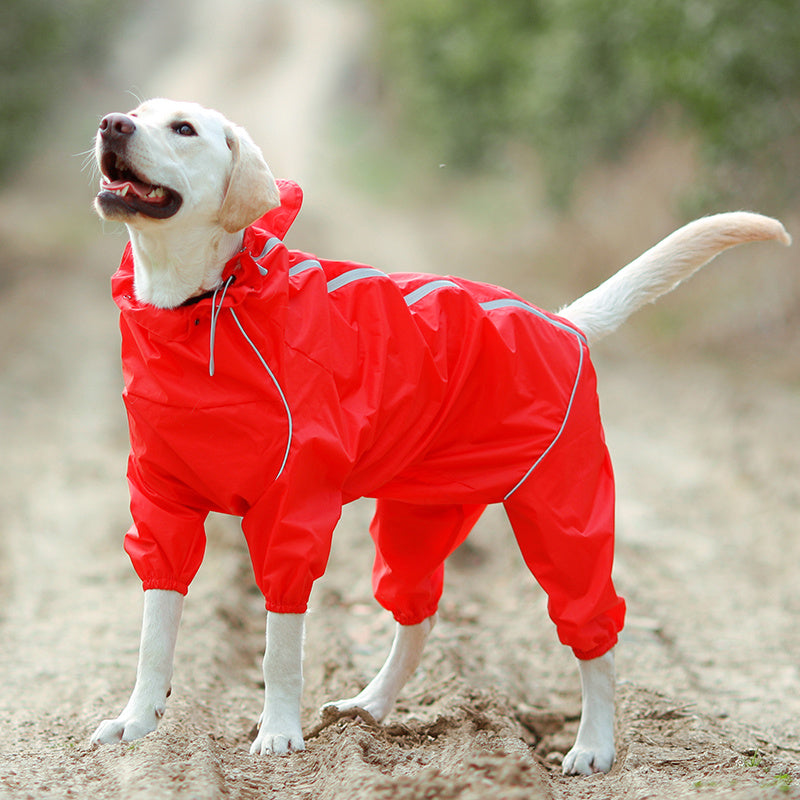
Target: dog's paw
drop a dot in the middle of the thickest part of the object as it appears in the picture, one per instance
(127, 727)
(588, 760)
(376, 705)
(268, 743)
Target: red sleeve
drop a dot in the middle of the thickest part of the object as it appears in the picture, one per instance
(167, 540)
(289, 531)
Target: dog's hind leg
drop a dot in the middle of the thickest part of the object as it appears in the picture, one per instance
(563, 520)
(593, 750)
(379, 696)
(411, 545)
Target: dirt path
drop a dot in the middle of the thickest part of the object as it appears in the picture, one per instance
(707, 459)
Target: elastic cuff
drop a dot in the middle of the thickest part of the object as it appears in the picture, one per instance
(601, 650)
(166, 584)
(412, 618)
(284, 608)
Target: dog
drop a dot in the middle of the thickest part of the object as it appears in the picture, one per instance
(276, 386)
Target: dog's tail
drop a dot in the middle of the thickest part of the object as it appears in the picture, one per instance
(664, 266)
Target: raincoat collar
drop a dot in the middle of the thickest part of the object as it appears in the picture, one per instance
(249, 272)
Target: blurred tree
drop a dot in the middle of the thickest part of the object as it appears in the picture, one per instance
(576, 79)
(43, 44)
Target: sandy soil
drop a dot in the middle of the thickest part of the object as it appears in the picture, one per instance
(707, 454)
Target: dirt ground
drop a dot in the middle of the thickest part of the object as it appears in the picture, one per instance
(703, 426)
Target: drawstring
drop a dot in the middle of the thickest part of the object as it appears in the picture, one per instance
(215, 309)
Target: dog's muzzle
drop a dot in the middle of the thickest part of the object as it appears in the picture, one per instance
(123, 191)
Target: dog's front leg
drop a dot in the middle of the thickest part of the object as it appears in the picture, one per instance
(148, 701)
(378, 697)
(594, 747)
(279, 728)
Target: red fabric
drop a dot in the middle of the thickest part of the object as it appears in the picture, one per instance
(434, 395)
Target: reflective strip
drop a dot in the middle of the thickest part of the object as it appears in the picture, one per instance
(270, 245)
(309, 263)
(426, 289)
(510, 302)
(354, 275)
(277, 386)
(342, 280)
(563, 424)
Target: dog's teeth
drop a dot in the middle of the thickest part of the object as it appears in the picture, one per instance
(156, 192)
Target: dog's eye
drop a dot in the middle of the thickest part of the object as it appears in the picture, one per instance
(183, 129)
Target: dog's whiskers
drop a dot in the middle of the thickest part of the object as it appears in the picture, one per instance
(89, 162)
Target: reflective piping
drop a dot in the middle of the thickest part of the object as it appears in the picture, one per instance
(563, 423)
(354, 275)
(426, 289)
(277, 386)
(270, 245)
(309, 263)
(510, 302)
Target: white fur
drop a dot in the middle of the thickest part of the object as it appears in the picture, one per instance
(379, 696)
(225, 184)
(148, 701)
(279, 729)
(593, 750)
(661, 268)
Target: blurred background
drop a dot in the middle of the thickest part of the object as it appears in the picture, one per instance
(540, 143)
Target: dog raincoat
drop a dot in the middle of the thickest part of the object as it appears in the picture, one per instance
(301, 384)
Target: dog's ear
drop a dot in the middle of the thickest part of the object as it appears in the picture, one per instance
(251, 190)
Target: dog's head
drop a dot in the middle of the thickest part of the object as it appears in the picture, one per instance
(166, 160)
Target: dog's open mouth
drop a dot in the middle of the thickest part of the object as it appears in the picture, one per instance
(122, 189)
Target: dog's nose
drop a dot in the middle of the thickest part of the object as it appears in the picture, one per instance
(114, 126)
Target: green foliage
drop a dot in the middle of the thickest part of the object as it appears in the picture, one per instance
(43, 44)
(782, 782)
(577, 79)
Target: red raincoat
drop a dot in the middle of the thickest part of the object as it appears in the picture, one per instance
(302, 384)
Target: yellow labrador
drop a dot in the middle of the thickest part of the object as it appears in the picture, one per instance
(186, 182)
